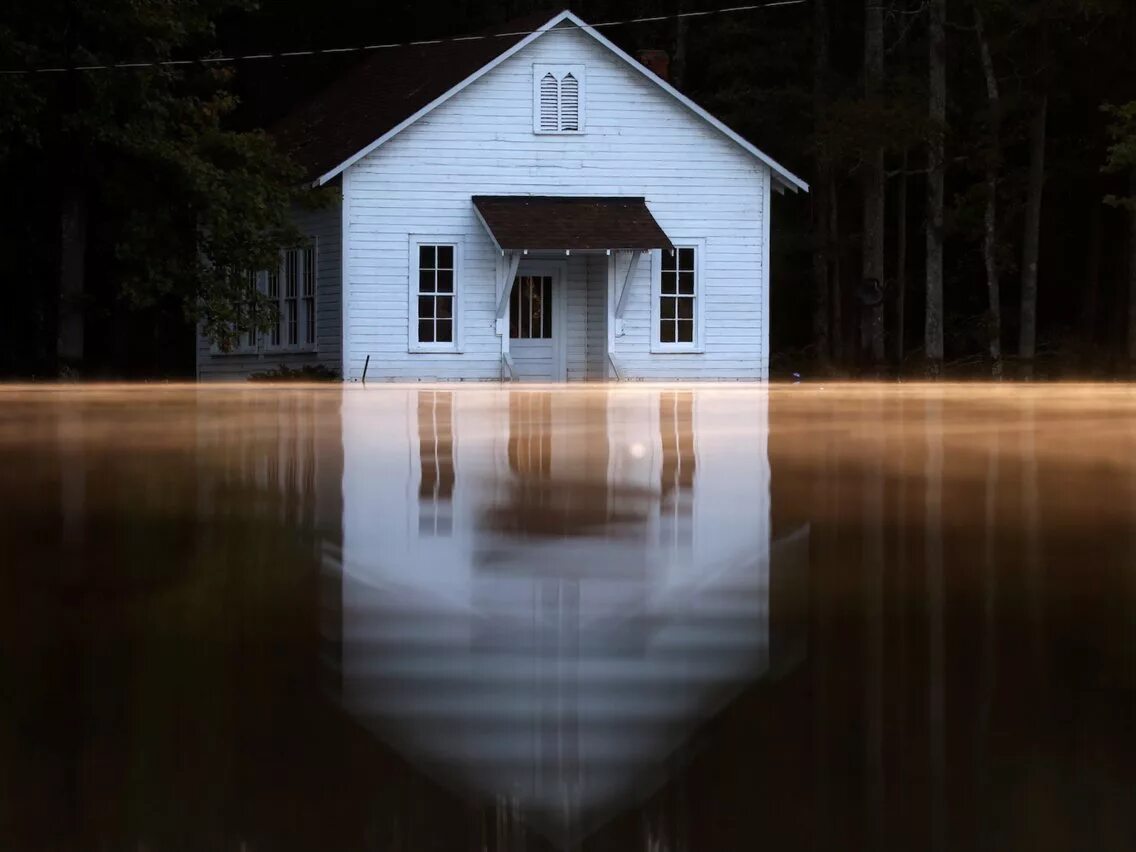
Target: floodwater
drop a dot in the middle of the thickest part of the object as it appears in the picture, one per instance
(610, 618)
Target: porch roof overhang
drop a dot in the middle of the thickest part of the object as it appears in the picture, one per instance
(569, 223)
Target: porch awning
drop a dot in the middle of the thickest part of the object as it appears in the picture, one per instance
(559, 223)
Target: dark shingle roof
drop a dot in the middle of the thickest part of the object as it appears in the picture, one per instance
(536, 222)
(384, 90)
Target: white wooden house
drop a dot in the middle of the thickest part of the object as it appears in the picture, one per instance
(531, 204)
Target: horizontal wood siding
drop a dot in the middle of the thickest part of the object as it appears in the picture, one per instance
(326, 227)
(638, 141)
(597, 319)
(576, 321)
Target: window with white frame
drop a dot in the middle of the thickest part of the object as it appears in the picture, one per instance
(558, 98)
(290, 313)
(251, 334)
(435, 294)
(291, 287)
(677, 308)
(272, 284)
(296, 299)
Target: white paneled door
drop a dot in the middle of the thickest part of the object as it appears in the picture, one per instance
(536, 323)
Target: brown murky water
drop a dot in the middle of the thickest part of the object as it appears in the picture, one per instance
(625, 618)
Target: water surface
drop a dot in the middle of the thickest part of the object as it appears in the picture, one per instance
(632, 617)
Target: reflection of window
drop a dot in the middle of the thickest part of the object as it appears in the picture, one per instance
(676, 431)
(530, 308)
(530, 438)
(436, 455)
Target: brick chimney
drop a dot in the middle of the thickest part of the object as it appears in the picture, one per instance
(657, 61)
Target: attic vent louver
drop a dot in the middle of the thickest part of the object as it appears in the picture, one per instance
(549, 104)
(558, 93)
(569, 103)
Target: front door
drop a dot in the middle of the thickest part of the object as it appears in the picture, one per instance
(536, 317)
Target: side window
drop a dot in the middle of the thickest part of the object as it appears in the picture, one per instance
(677, 296)
(291, 288)
(558, 98)
(296, 299)
(678, 307)
(434, 288)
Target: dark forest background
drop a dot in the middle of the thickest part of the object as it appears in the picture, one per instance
(973, 167)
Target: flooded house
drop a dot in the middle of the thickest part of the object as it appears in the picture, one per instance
(527, 204)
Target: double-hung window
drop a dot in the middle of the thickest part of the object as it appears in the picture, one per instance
(290, 314)
(435, 295)
(295, 297)
(291, 289)
(677, 299)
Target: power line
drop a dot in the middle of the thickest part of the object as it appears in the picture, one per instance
(328, 51)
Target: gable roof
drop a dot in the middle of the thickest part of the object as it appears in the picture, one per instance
(396, 86)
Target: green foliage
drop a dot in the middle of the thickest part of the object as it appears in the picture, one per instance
(1122, 151)
(284, 373)
(186, 203)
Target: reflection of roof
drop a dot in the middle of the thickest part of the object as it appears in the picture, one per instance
(535, 222)
(568, 695)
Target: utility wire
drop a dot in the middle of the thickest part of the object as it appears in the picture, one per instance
(328, 51)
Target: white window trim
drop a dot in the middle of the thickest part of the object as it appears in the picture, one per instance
(699, 345)
(412, 343)
(301, 323)
(560, 72)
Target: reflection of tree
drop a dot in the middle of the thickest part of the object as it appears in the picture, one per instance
(155, 690)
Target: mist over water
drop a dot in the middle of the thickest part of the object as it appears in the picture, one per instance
(598, 618)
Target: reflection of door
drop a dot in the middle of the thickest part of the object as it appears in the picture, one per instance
(536, 321)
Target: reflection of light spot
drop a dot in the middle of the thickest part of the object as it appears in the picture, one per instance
(638, 451)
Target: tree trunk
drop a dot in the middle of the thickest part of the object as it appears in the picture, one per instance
(1132, 276)
(837, 291)
(901, 262)
(678, 67)
(990, 219)
(821, 196)
(936, 171)
(1031, 238)
(872, 269)
(72, 283)
(1091, 310)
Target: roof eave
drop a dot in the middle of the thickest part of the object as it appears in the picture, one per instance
(781, 175)
(445, 96)
(783, 179)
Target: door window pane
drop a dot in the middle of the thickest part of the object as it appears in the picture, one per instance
(530, 306)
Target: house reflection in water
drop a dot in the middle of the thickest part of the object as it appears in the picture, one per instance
(543, 596)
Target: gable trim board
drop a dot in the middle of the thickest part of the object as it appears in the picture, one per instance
(784, 178)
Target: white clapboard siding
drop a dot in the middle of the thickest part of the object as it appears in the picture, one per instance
(325, 227)
(637, 141)
(597, 319)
